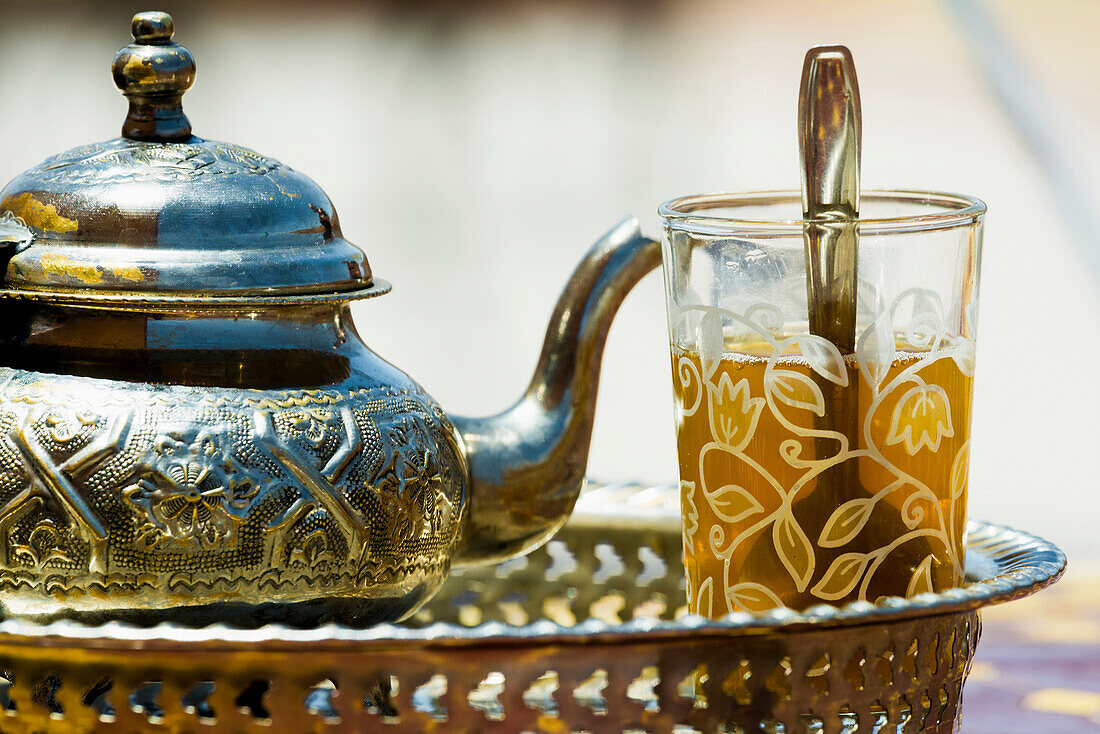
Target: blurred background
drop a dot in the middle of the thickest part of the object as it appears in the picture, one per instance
(475, 150)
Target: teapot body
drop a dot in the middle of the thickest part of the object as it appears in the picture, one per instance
(191, 430)
(291, 477)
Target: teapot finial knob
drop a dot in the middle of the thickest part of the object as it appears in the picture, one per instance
(154, 72)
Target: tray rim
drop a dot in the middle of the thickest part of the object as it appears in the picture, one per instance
(1009, 564)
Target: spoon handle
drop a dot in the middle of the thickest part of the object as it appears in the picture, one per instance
(829, 136)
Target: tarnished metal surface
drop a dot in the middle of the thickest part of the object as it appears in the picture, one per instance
(159, 212)
(154, 72)
(194, 303)
(191, 427)
(265, 465)
(587, 633)
(830, 131)
(150, 501)
(14, 233)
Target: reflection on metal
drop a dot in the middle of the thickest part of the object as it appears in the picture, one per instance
(527, 464)
(161, 213)
(830, 131)
(897, 665)
(192, 429)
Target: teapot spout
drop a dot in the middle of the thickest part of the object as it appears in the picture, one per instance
(527, 464)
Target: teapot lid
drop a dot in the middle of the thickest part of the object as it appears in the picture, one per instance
(160, 215)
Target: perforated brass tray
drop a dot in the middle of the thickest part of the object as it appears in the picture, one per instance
(586, 634)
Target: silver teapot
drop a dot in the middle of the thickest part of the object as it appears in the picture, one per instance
(192, 428)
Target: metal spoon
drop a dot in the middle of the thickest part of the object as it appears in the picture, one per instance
(829, 136)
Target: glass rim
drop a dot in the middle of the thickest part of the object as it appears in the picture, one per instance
(945, 211)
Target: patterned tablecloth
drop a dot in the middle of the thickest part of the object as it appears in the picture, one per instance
(1037, 669)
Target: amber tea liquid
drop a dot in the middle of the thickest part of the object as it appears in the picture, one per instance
(804, 485)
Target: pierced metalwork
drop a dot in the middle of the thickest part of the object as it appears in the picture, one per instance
(895, 666)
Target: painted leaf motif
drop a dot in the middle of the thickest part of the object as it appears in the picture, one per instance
(766, 316)
(921, 583)
(926, 313)
(875, 350)
(842, 576)
(690, 511)
(704, 599)
(824, 358)
(796, 390)
(963, 354)
(868, 299)
(971, 312)
(794, 549)
(711, 342)
(753, 597)
(846, 522)
(733, 414)
(921, 418)
(960, 471)
(733, 504)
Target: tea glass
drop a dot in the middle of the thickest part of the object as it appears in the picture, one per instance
(808, 475)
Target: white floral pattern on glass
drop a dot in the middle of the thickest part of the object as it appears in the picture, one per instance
(920, 421)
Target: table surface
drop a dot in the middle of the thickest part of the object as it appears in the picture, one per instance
(1037, 668)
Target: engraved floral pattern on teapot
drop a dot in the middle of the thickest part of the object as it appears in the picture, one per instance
(190, 493)
(222, 490)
